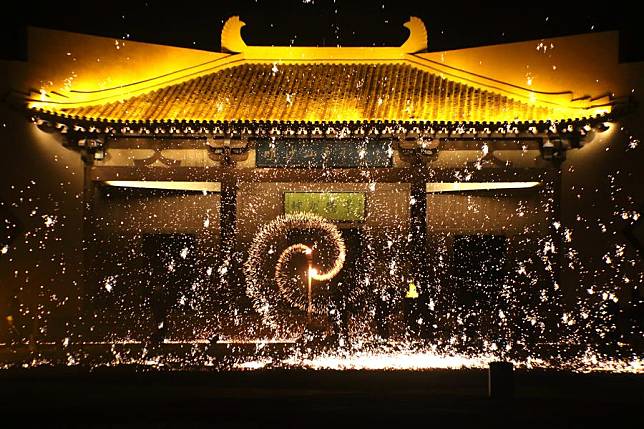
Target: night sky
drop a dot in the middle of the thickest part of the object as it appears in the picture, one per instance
(451, 25)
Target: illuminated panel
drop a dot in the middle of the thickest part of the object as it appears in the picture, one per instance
(334, 206)
(174, 186)
(477, 186)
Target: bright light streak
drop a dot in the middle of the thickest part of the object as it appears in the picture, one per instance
(433, 187)
(169, 185)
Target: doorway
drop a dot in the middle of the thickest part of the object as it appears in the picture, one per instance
(170, 259)
(479, 271)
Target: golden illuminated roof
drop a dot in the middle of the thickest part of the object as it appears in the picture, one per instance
(319, 84)
(323, 92)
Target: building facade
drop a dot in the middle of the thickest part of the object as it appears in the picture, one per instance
(445, 184)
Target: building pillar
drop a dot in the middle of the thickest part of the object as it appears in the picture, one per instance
(228, 229)
(418, 259)
(558, 260)
(418, 229)
(557, 230)
(88, 275)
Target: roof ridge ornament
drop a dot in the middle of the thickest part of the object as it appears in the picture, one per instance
(233, 42)
(231, 38)
(417, 40)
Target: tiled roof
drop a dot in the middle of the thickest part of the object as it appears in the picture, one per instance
(322, 92)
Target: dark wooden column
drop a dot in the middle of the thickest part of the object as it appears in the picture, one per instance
(418, 220)
(228, 226)
(88, 249)
(557, 234)
(418, 255)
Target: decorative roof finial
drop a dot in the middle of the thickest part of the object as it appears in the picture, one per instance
(231, 39)
(417, 40)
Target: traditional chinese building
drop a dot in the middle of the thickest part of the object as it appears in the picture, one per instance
(441, 172)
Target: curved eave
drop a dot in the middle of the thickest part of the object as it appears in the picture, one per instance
(384, 128)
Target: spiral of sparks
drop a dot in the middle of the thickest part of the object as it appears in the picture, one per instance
(258, 289)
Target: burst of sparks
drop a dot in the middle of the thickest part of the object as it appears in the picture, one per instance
(255, 276)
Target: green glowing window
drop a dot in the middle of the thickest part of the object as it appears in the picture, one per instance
(334, 206)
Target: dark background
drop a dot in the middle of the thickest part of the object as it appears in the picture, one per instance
(450, 24)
